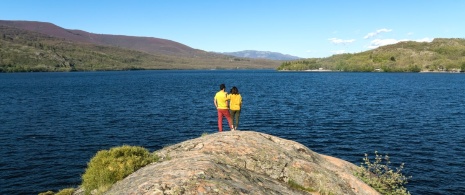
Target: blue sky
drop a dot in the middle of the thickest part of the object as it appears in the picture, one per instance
(306, 28)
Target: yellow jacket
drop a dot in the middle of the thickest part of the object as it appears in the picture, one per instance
(221, 100)
(236, 101)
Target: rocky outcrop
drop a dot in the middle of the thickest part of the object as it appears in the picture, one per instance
(242, 162)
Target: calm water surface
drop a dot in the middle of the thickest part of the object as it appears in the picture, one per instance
(51, 124)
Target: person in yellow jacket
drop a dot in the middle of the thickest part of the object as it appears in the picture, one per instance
(235, 105)
(221, 103)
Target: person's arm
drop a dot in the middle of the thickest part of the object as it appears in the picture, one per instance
(216, 103)
(240, 101)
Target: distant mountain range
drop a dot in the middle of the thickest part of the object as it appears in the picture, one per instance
(42, 46)
(27, 46)
(262, 55)
(145, 44)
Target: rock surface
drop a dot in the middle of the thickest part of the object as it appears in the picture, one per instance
(242, 162)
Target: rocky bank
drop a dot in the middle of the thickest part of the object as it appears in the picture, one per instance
(242, 162)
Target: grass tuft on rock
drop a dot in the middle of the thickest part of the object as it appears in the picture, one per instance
(293, 184)
(67, 191)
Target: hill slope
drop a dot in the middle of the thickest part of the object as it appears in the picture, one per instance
(52, 48)
(439, 55)
(146, 44)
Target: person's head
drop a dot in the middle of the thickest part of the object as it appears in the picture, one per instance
(234, 90)
(222, 87)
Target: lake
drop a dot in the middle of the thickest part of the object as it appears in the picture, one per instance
(52, 124)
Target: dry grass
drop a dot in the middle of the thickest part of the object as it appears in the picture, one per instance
(381, 177)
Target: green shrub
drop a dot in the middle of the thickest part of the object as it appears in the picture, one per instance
(381, 177)
(109, 166)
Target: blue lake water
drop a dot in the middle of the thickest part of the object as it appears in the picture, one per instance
(51, 124)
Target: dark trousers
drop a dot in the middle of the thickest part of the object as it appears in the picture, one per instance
(235, 117)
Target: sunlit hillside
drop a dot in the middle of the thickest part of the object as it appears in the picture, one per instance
(30, 51)
(439, 55)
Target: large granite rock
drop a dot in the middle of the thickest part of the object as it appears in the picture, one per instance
(242, 162)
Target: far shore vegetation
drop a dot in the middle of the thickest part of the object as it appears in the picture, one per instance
(27, 51)
(440, 55)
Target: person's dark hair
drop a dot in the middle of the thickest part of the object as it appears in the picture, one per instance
(234, 90)
(222, 86)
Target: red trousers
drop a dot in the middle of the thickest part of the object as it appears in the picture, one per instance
(225, 113)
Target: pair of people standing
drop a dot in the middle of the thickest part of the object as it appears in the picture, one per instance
(221, 103)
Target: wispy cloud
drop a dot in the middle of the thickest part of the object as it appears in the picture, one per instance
(381, 42)
(424, 40)
(372, 34)
(341, 41)
(338, 51)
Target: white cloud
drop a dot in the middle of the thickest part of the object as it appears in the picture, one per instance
(410, 33)
(424, 40)
(381, 42)
(341, 41)
(338, 51)
(372, 34)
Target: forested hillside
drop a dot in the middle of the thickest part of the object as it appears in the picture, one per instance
(28, 51)
(438, 55)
